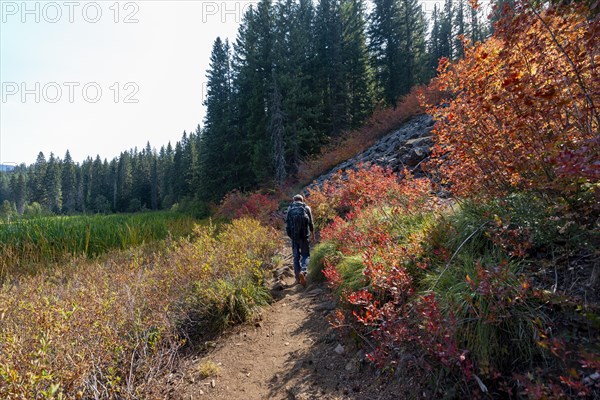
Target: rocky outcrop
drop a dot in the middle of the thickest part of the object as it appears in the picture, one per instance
(406, 147)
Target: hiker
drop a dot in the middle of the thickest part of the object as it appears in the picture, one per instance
(299, 227)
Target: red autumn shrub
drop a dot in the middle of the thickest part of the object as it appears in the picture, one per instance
(261, 207)
(524, 111)
(349, 191)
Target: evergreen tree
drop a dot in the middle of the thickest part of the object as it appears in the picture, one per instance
(330, 84)
(434, 49)
(461, 28)
(38, 175)
(276, 130)
(52, 185)
(68, 184)
(294, 69)
(18, 188)
(355, 58)
(446, 39)
(252, 76)
(178, 178)
(216, 150)
(165, 168)
(384, 43)
(412, 45)
(124, 181)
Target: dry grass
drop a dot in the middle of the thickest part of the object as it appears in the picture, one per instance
(108, 328)
(208, 368)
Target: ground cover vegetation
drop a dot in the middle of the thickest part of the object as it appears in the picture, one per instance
(112, 327)
(491, 291)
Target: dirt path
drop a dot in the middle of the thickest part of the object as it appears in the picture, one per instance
(290, 353)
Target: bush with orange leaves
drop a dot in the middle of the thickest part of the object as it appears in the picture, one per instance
(523, 112)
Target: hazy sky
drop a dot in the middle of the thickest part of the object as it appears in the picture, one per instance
(102, 77)
(106, 76)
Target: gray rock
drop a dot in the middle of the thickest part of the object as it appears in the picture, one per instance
(339, 349)
(352, 365)
(416, 155)
(404, 147)
(328, 305)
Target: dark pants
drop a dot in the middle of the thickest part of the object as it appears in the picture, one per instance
(301, 251)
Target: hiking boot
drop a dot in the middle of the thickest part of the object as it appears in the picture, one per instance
(302, 278)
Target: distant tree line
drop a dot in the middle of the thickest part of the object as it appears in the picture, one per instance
(299, 74)
(133, 181)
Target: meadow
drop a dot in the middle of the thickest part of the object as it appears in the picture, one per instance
(26, 245)
(113, 326)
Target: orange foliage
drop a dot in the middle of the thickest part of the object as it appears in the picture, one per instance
(524, 107)
(380, 123)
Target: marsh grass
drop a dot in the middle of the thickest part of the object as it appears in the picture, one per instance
(28, 245)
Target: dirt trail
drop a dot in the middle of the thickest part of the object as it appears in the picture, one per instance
(291, 352)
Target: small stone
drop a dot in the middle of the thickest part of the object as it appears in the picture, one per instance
(213, 383)
(200, 392)
(350, 366)
(287, 343)
(258, 324)
(339, 349)
(360, 355)
(328, 305)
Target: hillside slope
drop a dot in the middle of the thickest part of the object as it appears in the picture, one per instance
(406, 146)
(291, 351)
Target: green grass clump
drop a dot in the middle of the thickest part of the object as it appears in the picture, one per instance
(351, 271)
(317, 260)
(499, 326)
(226, 302)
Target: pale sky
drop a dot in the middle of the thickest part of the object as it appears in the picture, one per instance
(106, 76)
(158, 58)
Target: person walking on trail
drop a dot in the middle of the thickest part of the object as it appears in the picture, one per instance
(299, 227)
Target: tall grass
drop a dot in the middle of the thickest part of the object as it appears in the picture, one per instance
(26, 245)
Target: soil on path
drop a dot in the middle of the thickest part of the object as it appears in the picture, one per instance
(289, 352)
